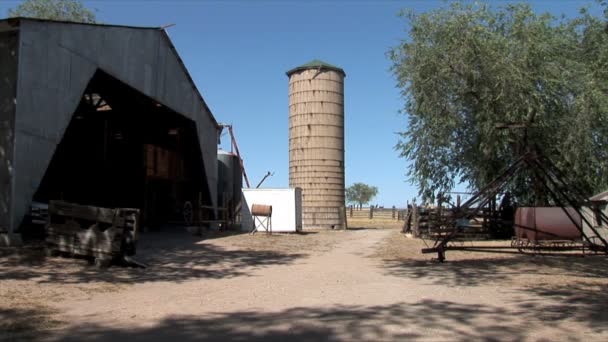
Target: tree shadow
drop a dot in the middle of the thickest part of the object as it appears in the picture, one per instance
(212, 235)
(423, 320)
(584, 301)
(171, 256)
(478, 271)
(363, 228)
(25, 324)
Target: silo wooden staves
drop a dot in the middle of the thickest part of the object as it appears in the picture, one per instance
(316, 142)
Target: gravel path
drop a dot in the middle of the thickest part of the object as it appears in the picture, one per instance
(329, 286)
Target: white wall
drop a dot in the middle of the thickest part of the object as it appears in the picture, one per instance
(286, 208)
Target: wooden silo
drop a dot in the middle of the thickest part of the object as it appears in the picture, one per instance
(316, 142)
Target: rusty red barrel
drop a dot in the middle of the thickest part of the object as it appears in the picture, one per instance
(546, 223)
(261, 210)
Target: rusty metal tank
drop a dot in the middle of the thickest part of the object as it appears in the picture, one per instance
(316, 142)
(261, 210)
(546, 223)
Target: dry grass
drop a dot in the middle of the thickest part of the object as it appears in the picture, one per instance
(402, 256)
(24, 310)
(307, 243)
(375, 223)
(29, 283)
(27, 291)
(24, 321)
(398, 246)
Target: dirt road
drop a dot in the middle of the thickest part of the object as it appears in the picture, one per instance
(334, 288)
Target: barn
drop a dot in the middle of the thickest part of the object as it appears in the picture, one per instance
(100, 115)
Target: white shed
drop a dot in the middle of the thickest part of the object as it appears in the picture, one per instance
(286, 209)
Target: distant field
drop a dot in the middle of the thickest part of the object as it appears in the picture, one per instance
(375, 223)
(381, 218)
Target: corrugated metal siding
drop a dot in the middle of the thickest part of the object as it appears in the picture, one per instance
(8, 92)
(56, 62)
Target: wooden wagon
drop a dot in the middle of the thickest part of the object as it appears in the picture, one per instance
(105, 234)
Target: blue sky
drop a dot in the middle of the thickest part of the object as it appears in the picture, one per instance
(238, 51)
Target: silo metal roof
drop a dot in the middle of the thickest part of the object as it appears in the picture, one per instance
(316, 64)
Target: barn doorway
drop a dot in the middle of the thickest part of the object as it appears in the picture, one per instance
(124, 149)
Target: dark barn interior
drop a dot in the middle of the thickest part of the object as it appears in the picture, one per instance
(100, 116)
(124, 149)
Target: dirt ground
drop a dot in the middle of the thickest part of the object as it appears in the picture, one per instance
(360, 284)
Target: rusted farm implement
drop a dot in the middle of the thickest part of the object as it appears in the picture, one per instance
(101, 233)
(569, 201)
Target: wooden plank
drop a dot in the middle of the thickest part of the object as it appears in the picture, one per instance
(113, 245)
(86, 235)
(95, 214)
(67, 239)
(86, 238)
(74, 246)
(82, 251)
(70, 228)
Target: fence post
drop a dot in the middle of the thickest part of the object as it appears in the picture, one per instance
(345, 220)
(394, 209)
(415, 219)
(371, 212)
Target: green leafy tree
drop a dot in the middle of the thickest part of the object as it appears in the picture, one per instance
(62, 10)
(361, 193)
(467, 67)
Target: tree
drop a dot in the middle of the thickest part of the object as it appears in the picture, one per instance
(360, 193)
(467, 67)
(62, 10)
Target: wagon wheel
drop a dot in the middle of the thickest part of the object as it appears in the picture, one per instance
(188, 212)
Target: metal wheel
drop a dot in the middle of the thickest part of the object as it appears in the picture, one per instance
(188, 213)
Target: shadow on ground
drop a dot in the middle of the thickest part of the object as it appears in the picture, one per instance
(26, 324)
(473, 272)
(583, 301)
(171, 256)
(356, 228)
(428, 320)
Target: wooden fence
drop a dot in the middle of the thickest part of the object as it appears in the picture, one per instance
(370, 213)
(437, 221)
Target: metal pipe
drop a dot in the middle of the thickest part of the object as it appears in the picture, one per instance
(268, 174)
